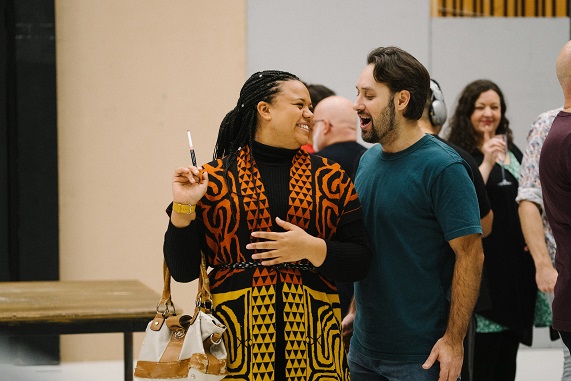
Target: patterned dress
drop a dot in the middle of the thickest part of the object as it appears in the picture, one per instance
(529, 184)
(284, 321)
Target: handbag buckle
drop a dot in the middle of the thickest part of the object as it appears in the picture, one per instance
(217, 341)
(167, 310)
(206, 304)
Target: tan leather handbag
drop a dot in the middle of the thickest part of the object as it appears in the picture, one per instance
(183, 347)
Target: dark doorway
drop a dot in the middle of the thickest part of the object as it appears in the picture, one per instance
(28, 157)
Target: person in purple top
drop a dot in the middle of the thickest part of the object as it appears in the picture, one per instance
(555, 177)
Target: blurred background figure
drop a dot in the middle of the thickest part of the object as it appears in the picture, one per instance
(534, 225)
(431, 122)
(317, 93)
(555, 175)
(335, 137)
(507, 306)
(433, 118)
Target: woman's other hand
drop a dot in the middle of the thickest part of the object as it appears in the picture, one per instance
(292, 245)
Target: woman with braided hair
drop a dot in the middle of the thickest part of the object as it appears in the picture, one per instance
(279, 227)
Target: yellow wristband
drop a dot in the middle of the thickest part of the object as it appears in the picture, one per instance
(183, 208)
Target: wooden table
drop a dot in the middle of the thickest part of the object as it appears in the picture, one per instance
(69, 307)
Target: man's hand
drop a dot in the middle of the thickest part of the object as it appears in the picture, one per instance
(450, 356)
(546, 276)
(347, 330)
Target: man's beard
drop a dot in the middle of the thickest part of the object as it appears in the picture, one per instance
(386, 131)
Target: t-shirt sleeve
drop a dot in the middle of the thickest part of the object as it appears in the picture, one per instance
(529, 188)
(455, 202)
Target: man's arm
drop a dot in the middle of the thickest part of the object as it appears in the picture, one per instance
(532, 228)
(465, 284)
(449, 350)
(530, 202)
(347, 324)
(486, 222)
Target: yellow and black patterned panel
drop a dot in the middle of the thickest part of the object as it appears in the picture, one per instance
(253, 301)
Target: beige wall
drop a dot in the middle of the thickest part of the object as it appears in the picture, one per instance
(132, 77)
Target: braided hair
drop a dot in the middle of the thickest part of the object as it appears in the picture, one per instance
(239, 125)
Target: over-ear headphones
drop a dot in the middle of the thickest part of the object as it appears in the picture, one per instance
(437, 112)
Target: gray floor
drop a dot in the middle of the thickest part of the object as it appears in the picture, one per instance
(534, 364)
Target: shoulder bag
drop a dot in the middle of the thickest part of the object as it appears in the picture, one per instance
(183, 347)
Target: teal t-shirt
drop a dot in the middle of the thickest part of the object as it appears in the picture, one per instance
(413, 202)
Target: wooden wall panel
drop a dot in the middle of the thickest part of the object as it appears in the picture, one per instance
(499, 8)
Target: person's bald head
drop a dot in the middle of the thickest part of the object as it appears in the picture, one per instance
(334, 121)
(563, 69)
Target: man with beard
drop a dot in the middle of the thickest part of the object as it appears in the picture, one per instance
(422, 219)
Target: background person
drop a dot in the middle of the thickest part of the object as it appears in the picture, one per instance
(335, 133)
(335, 137)
(433, 118)
(317, 93)
(508, 319)
(534, 225)
(277, 234)
(421, 215)
(555, 175)
(431, 122)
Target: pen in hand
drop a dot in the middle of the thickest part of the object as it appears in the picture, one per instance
(192, 155)
(193, 158)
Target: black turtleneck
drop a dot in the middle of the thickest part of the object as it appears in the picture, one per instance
(274, 165)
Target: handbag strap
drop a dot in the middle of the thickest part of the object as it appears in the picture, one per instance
(203, 297)
(166, 306)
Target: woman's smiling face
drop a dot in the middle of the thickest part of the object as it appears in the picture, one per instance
(487, 113)
(288, 118)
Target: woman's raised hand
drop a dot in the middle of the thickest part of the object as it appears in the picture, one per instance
(189, 184)
(493, 149)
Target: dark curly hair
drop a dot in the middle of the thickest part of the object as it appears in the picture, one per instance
(460, 129)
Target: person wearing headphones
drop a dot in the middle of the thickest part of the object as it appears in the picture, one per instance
(431, 122)
(433, 118)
